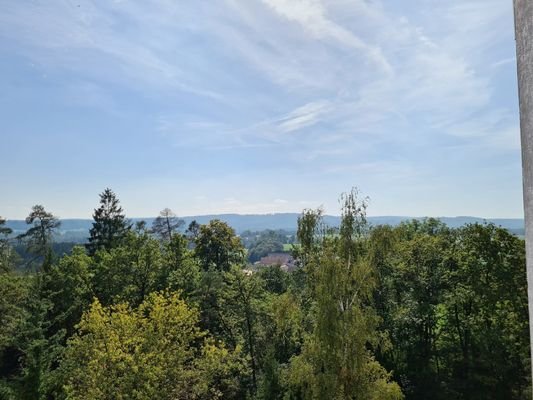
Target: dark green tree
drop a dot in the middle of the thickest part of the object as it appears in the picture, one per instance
(39, 237)
(61, 293)
(217, 246)
(27, 355)
(8, 255)
(4, 230)
(484, 316)
(454, 302)
(281, 338)
(180, 270)
(14, 294)
(242, 300)
(411, 262)
(267, 242)
(128, 272)
(68, 289)
(192, 231)
(275, 279)
(110, 226)
(336, 361)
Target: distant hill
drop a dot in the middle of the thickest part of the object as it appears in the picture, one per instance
(76, 230)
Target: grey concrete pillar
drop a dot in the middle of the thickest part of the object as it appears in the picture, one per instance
(524, 56)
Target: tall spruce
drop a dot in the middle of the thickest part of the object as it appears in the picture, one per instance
(110, 226)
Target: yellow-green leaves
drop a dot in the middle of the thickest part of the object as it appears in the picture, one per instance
(155, 351)
(335, 361)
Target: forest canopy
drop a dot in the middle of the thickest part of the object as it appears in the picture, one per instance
(415, 311)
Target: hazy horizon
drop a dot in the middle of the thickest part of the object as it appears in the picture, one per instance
(282, 213)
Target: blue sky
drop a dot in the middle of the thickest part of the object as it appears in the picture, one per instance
(259, 106)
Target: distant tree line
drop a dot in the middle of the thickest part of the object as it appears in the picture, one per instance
(417, 311)
(260, 244)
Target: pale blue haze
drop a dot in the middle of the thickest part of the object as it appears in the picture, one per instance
(253, 106)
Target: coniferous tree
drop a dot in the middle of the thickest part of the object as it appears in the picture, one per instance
(6, 252)
(39, 237)
(4, 230)
(192, 230)
(166, 224)
(110, 226)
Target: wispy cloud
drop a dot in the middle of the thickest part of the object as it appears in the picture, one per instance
(505, 61)
(86, 37)
(304, 116)
(312, 16)
(336, 89)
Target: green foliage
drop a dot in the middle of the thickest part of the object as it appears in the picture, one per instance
(4, 230)
(67, 286)
(38, 238)
(217, 246)
(454, 304)
(14, 292)
(310, 231)
(181, 270)
(129, 272)
(8, 256)
(38, 352)
(336, 361)
(283, 335)
(484, 334)
(275, 279)
(267, 242)
(166, 225)
(154, 351)
(409, 298)
(241, 301)
(160, 314)
(110, 226)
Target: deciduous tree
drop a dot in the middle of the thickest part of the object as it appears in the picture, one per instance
(217, 246)
(336, 362)
(156, 351)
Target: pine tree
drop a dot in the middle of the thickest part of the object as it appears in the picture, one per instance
(4, 230)
(5, 249)
(166, 224)
(39, 237)
(110, 226)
